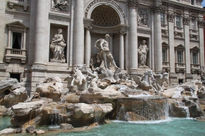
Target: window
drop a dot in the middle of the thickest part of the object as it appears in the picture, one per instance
(163, 19)
(16, 47)
(195, 58)
(16, 76)
(164, 54)
(193, 24)
(178, 21)
(16, 40)
(192, 2)
(180, 58)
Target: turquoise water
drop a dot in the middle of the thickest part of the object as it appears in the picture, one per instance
(176, 127)
(173, 127)
(4, 122)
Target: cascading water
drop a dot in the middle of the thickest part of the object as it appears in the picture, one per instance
(55, 119)
(186, 109)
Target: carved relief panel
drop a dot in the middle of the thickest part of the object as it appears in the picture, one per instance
(60, 5)
(143, 17)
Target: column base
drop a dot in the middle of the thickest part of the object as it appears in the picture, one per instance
(188, 77)
(2, 67)
(173, 79)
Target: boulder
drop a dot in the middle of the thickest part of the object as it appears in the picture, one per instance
(39, 132)
(177, 111)
(3, 111)
(85, 114)
(107, 95)
(54, 113)
(66, 126)
(7, 84)
(30, 129)
(14, 97)
(71, 98)
(25, 112)
(195, 111)
(51, 88)
(7, 131)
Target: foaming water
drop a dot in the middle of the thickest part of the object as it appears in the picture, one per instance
(144, 122)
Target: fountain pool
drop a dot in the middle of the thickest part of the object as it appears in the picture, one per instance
(171, 127)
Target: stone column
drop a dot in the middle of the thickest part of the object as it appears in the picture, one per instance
(171, 41)
(157, 37)
(41, 42)
(121, 52)
(201, 43)
(133, 39)
(78, 33)
(87, 47)
(186, 21)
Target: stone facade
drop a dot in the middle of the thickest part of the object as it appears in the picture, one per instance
(47, 38)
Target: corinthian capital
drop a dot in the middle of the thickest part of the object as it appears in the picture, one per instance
(132, 3)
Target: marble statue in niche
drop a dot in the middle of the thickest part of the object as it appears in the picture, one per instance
(142, 52)
(57, 47)
(104, 55)
(61, 5)
(143, 17)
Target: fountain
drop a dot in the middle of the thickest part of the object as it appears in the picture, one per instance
(101, 92)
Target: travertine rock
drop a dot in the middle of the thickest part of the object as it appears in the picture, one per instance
(85, 114)
(51, 88)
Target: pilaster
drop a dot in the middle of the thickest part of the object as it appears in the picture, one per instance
(157, 36)
(201, 42)
(186, 22)
(132, 33)
(170, 16)
(78, 33)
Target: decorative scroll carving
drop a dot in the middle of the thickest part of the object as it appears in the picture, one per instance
(186, 20)
(201, 23)
(132, 3)
(171, 17)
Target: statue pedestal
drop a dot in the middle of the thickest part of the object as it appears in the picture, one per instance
(142, 69)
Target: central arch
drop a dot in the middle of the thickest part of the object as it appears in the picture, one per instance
(95, 3)
(107, 18)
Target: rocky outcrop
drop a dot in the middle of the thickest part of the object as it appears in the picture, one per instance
(8, 131)
(25, 112)
(3, 111)
(71, 98)
(51, 88)
(7, 85)
(11, 92)
(107, 95)
(85, 114)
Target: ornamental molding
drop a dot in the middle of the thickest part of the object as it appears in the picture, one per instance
(170, 17)
(132, 3)
(186, 20)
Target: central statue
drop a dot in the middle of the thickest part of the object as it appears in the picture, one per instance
(104, 55)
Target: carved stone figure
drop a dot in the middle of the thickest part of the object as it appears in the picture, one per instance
(143, 17)
(79, 81)
(57, 47)
(143, 50)
(104, 55)
(61, 5)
